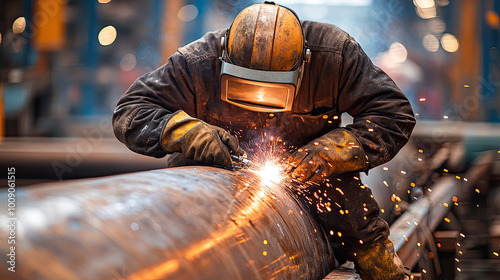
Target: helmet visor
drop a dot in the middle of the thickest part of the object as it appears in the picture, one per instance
(261, 91)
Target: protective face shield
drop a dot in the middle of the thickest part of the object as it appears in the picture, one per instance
(268, 79)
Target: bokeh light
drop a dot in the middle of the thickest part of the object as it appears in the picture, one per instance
(426, 13)
(187, 13)
(398, 52)
(424, 3)
(19, 25)
(104, 1)
(128, 62)
(431, 43)
(443, 3)
(450, 43)
(107, 35)
(492, 19)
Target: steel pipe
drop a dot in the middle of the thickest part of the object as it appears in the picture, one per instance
(179, 223)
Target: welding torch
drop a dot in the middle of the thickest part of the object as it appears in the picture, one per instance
(240, 162)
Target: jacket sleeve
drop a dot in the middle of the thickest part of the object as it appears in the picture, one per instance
(383, 117)
(141, 113)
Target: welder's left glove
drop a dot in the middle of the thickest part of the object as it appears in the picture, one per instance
(199, 141)
(334, 153)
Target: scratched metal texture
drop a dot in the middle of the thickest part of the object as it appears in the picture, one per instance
(179, 223)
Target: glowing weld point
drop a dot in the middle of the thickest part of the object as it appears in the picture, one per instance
(270, 172)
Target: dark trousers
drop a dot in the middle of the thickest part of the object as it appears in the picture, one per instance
(348, 214)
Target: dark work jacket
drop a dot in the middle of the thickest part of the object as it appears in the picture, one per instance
(339, 78)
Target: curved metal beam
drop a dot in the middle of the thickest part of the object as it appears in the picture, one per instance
(179, 223)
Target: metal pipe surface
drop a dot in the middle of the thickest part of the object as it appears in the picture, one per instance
(179, 223)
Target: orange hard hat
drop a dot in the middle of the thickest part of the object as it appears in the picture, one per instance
(266, 37)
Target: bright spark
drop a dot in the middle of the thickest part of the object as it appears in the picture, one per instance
(270, 172)
(267, 160)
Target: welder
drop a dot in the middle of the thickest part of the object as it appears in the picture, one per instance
(270, 72)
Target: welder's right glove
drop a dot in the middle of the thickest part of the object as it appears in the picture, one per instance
(334, 153)
(199, 141)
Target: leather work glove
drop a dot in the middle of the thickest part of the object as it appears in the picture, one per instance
(332, 154)
(198, 140)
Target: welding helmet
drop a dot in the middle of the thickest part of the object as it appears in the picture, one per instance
(263, 58)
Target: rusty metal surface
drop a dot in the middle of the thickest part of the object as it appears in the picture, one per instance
(181, 223)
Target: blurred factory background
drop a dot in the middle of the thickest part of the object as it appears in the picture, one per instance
(65, 63)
